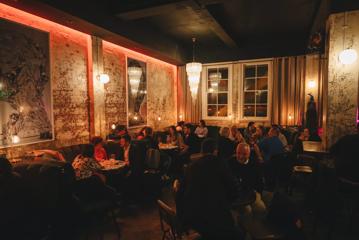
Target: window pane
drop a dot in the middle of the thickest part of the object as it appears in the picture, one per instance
(249, 84)
(223, 85)
(222, 98)
(249, 97)
(262, 70)
(248, 110)
(212, 98)
(249, 71)
(224, 73)
(262, 97)
(261, 110)
(262, 83)
(211, 71)
(212, 110)
(222, 111)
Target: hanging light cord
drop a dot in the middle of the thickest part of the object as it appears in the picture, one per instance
(344, 27)
(193, 45)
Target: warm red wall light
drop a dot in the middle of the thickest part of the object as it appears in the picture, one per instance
(16, 15)
(139, 56)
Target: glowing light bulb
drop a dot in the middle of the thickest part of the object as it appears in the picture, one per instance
(180, 116)
(290, 117)
(311, 84)
(348, 56)
(104, 78)
(135, 118)
(113, 126)
(159, 118)
(15, 139)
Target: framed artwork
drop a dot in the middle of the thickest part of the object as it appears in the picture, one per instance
(137, 93)
(25, 85)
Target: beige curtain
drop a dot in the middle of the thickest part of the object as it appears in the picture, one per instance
(191, 111)
(290, 95)
(288, 102)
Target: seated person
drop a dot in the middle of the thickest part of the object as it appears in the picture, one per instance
(204, 197)
(249, 131)
(282, 138)
(190, 145)
(119, 131)
(236, 136)
(174, 137)
(148, 137)
(12, 195)
(271, 145)
(91, 183)
(201, 131)
(46, 154)
(248, 174)
(346, 152)
(125, 143)
(140, 134)
(100, 152)
(226, 147)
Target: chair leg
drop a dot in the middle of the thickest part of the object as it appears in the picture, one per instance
(114, 221)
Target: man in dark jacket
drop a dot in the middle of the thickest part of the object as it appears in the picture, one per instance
(208, 190)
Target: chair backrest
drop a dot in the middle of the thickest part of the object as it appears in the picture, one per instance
(168, 218)
(153, 159)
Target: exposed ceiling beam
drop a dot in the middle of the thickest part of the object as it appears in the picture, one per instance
(204, 15)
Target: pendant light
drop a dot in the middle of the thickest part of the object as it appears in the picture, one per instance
(134, 72)
(348, 55)
(193, 70)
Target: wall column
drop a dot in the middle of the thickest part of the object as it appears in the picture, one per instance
(342, 79)
(99, 120)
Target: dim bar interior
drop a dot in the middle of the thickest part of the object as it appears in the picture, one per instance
(179, 119)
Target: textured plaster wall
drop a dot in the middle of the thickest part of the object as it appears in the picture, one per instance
(161, 88)
(342, 79)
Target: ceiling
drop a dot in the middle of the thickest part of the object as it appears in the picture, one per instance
(225, 29)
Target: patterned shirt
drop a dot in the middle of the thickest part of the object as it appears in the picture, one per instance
(85, 167)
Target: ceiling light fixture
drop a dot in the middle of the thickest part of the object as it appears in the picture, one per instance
(348, 55)
(134, 75)
(193, 70)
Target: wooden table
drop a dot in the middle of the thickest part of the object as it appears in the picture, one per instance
(314, 147)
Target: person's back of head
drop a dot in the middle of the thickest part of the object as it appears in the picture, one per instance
(274, 132)
(189, 128)
(96, 140)
(208, 146)
(148, 132)
(5, 167)
(224, 132)
(202, 123)
(250, 124)
(126, 138)
(88, 150)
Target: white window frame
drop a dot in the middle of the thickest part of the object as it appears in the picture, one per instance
(241, 91)
(204, 91)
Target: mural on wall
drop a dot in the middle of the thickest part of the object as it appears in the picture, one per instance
(137, 93)
(25, 86)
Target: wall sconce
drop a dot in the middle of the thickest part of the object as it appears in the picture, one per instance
(135, 118)
(104, 78)
(159, 118)
(181, 117)
(15, 139)
(311, 84)
(113, 126)
(290, 117)
(348, 55)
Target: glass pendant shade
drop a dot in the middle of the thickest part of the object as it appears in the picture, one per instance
(134, 75)
(194, 70)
